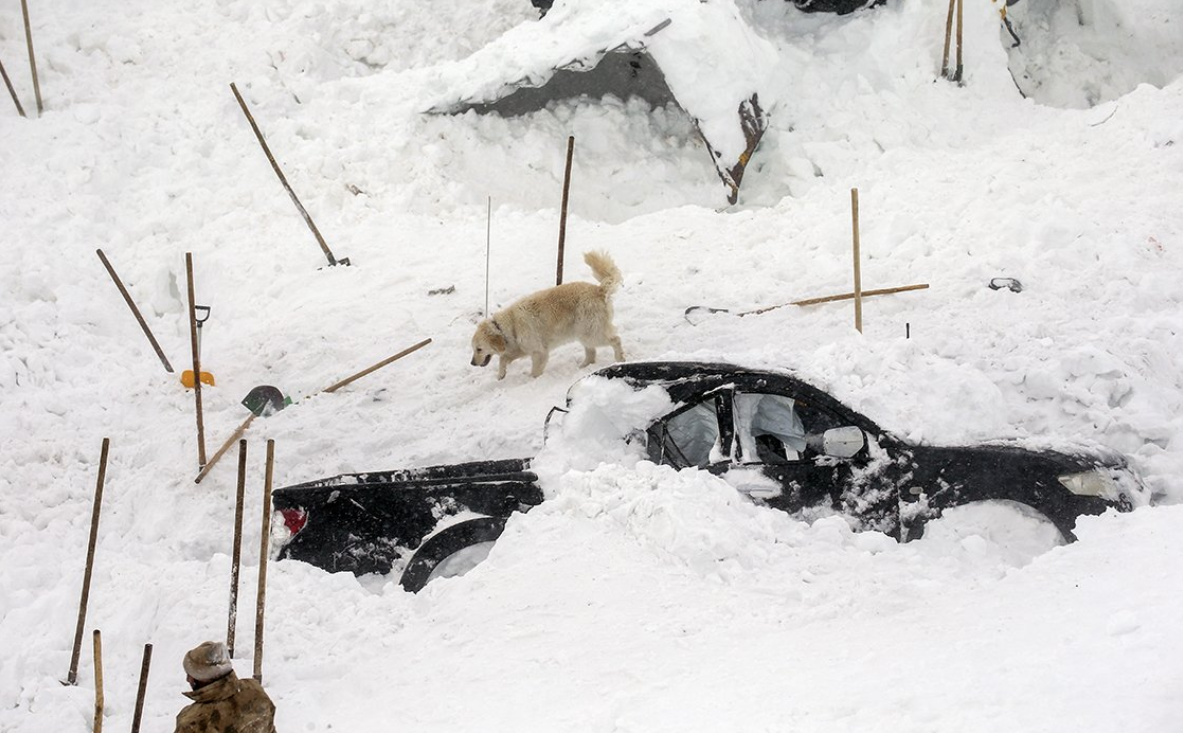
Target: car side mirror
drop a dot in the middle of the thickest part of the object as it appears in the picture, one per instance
(843, 442)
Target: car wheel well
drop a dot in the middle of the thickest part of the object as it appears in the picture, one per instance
(446, 543)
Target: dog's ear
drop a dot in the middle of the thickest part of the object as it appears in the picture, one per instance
(496, 340)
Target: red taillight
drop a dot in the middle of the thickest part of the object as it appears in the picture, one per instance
(294, 519)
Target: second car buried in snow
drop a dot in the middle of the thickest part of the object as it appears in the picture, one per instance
(771, 435)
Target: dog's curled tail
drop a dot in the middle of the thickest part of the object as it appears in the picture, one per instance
(604, 269)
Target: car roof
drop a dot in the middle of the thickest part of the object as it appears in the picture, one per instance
(685, 380)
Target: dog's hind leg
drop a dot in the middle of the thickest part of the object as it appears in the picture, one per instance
(538, 359)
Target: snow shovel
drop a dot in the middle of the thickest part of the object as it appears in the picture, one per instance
(201, 315)
(262, 401)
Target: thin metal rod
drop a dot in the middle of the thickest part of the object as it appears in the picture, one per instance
(378, 366)
(95, 512)
(858, 277)
(135, 311)
(32, 56)
(488, 250)
(236, 555)
(98, 682)
(225, 447)
(563, 214)
(282, 178)
(261, 599)
(139, 712)
(8, 83)
(196, 361)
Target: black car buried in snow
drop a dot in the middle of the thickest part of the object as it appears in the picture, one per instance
(808, 451)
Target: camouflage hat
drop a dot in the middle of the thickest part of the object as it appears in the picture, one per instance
(207, 661)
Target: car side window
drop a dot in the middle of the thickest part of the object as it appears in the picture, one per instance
(769, 428)
(692, 435)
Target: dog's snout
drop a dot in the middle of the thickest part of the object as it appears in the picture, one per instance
(478, 362)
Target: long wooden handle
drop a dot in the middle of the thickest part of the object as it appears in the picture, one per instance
(139, 711)
(261, 600)
(134, 310)
(832, 298)
(98, 682)
(225, 447)
(96, 511)
(196, 361)
(378, 366)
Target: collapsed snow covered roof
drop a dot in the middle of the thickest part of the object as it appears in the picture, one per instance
(697, 53)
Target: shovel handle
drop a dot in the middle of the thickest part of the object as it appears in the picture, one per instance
(225, 447)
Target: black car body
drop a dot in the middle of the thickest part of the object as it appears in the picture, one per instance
(808, 451)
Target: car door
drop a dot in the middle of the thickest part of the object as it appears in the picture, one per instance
(819, 457)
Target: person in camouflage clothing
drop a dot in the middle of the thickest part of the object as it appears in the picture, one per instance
(222, 703)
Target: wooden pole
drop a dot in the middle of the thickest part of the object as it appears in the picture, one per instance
(378, 366)
(260, 601)
(858, 278)
(488, 250)
(196, 361)
(283, 179)
(225, 447)
(236, 556)
(563, 213)
(134, 310)
(96, 510)
(957, 72)
(8, 83)
(139, 713)
(32, 57)
(832, 298)
(948, 39)
(98, 682)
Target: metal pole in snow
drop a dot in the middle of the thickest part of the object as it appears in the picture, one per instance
(563, 214)
(858, 279)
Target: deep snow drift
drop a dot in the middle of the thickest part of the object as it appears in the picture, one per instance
(637, 599)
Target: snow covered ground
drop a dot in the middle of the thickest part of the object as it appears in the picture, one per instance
(636, 599)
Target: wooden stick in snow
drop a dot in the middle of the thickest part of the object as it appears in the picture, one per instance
(96, 510)
(135, 311)
(98, 682)
(196, 361)
(948, 39)
(378, 366)
(283, 179)
(563, 213)
(32, 57)
(135, 720)
(8, 83)
(858, 278)
(225, 447)
(261, 598)
(236, 555)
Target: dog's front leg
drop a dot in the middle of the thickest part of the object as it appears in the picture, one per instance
(502, 365)
(589, 356)
(538, 360)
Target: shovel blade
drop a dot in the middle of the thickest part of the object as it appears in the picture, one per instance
(265, 400)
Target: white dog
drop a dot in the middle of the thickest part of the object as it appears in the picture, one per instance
(534, 325)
